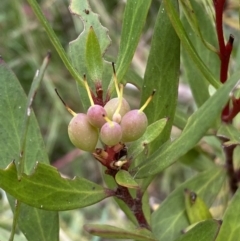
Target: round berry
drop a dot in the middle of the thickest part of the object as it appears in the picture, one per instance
(111, 133)
(133, 124)
(95, 115)
(112, 105)
(82, 134)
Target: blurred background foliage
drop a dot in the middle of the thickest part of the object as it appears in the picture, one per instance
(23, 45)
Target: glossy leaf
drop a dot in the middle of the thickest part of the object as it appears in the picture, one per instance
(230, 229)
(206, 184)
(203, 231)
(196, 127)
(53, 192)
(134, 18)
(152, 132)
(162, 74)
(107, 231)
(188, 45)
(195, 78)
(94, 56)
(123, 178)
(12, 103)
(77, 48)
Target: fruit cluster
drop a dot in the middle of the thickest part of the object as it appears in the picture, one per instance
(114, 122)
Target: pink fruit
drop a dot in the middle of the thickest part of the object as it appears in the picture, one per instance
(111, 133)
(95, 115)
(133, 125)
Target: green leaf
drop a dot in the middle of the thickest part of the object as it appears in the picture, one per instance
(111, 183)
(180, 119)
(12, 104)
(55, 40)
(196, 127)
(230, 229)
(4, 235)
(134, 19)
(53, 192)
(203, 231)
(206, 184)
(162, 74)
(123, 178)
(94, 56)
(107, 231)
(77, 48)
(196, 208)
(152, 132)
(133, 78)
(188, 45)
(229, 134)
(195, 78)
(197, 159)
(189, 9)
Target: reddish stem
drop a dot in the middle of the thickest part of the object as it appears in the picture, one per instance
(219, 5)
(224, 52)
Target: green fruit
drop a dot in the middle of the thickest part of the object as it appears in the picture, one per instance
(82, 134)
(111, 133)
(112, 105)
(133, 124)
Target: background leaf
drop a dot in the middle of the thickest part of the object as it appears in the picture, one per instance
(53, 192)
(12, 104)
(196, 127)
(188, 45)
(230, 229)
(108, 231)
(203, 231)
(197, 81)
(206, 184)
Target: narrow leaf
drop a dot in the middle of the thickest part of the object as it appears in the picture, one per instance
(198, 83)
(197, 159)
(203, 231)
(94, 56)
(134, 19)
(188, 45)
(46, 189)
(162, 74)
(123, 178)
(12, 104)
(206, 184)
(230, 229)
(196, 127)
(107, 231)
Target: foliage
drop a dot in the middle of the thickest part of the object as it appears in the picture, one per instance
(195, 166)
